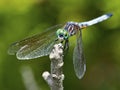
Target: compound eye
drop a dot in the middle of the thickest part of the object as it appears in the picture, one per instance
(66, 35)
(60, 35)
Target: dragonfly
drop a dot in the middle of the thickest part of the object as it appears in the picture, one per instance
(42, 44)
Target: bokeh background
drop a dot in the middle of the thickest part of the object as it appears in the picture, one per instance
(23, 18)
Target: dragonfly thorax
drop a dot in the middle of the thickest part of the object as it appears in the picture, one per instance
(72, 28)
(62, 34)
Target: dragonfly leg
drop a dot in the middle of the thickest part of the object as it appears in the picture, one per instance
(66, 45)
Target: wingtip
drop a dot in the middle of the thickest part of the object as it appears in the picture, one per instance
(10, 52)
(80, 76)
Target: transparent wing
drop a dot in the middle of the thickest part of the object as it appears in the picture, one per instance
(78, 57)
(96, 20)
(35, 46)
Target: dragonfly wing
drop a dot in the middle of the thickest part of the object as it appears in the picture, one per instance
(96, 20)
(78, 57)
(31, 51)
(35, 46)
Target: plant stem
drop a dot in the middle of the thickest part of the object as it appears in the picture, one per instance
(56, 77)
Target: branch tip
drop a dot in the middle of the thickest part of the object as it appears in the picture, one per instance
(45, 75)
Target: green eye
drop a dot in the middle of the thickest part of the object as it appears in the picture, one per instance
(59, 31)
(62, 33)
(66, 35)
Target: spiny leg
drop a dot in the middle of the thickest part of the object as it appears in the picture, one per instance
(66, 45)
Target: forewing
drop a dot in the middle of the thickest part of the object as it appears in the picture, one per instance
(35, 46)
(78, 57)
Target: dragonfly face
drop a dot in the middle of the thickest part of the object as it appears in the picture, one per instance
(62, 34)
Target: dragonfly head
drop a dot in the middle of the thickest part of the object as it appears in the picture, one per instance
(62, 34)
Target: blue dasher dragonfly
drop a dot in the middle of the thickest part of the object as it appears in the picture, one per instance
(41, 44)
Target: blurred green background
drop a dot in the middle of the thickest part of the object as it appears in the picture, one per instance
(23, 18)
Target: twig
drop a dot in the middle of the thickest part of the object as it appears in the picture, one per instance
(56, 77)
(28, 78)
